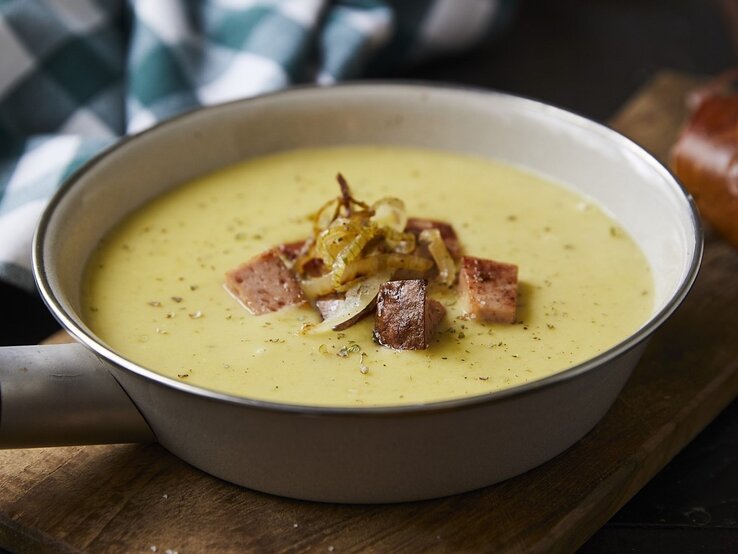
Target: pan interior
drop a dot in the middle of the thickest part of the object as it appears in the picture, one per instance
(635, 190)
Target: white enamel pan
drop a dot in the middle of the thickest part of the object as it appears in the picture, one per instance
(85, 393)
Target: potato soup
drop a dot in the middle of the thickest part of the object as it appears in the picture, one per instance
(153, 291)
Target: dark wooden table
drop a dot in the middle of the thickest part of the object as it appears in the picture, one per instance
(588, 57)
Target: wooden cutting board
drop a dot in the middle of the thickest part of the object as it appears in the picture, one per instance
(139, 498)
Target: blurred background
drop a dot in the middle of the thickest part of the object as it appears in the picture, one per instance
(591, 56)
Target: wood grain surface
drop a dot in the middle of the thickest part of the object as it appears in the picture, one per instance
(135, 498)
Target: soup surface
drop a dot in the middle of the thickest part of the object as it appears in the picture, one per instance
(154, 287)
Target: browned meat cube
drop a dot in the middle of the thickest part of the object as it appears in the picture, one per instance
(264, 284)
(490, 289)
(314, 268)
(331, 304)
(416, 225)
(406, 318)
(290, 251)
(435, 313)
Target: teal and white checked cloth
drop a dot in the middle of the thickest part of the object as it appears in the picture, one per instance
(77, 74)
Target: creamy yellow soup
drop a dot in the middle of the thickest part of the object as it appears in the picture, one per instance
(154, 287)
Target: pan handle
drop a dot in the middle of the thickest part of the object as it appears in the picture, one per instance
(61, 395)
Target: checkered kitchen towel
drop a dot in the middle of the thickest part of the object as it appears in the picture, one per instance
(76, 74)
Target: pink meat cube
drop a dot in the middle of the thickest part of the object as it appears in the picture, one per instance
(490, 289)
(264, 284)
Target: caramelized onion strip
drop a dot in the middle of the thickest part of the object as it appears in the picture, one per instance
(352, 252)
(390, 213)
(437, 248)
(402, 243)
(324, 284)
(380, 262)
